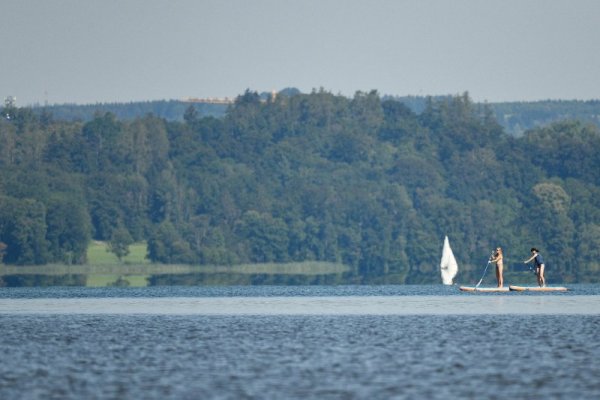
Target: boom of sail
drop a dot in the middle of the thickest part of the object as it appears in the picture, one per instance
(448, 265)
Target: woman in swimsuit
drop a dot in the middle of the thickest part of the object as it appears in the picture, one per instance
(497, 258)
(539, 266)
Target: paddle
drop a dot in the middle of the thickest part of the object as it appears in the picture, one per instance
(485, 270)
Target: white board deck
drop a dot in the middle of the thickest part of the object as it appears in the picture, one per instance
(538, 289)
(483, 289)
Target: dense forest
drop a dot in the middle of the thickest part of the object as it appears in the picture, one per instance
(365, 181)
(515, 117)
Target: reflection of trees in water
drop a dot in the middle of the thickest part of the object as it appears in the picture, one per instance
(120, 282)
(43, 280)
(209, 279)
(243, 279)
(267, 279)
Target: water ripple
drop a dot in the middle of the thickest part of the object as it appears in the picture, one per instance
(318, 356)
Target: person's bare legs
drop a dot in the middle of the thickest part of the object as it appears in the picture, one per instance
(499, 276)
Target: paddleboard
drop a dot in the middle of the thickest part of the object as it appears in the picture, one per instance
(538, 289)
(483, 289)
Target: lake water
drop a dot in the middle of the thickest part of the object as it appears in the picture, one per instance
(275, 342)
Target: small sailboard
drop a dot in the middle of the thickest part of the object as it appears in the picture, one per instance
(448, 264)
(538, 289)
(483, 289)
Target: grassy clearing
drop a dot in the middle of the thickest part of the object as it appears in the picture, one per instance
(105, 269)
(98, 254)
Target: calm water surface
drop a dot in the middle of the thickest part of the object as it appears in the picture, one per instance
(376, 342)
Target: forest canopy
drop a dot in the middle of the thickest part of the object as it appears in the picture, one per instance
(364, 181)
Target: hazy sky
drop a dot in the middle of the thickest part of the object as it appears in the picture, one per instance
(88, 51)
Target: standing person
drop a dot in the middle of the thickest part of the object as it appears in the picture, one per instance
(498, 258)
(538, 260)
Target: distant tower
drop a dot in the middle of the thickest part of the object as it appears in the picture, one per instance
(10, 103)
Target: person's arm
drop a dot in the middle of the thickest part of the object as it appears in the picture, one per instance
(528, 261)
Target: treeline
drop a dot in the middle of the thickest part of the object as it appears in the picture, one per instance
(518, 117)
(515, 117)
(171, 110)
(362, 181)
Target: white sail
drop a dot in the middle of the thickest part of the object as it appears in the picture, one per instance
(448, 265)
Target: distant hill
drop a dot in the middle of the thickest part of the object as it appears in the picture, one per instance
(171, 110)
(519, 117)
(515, 117)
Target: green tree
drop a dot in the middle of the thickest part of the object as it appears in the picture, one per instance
(266, 237)
(68, 228)
(166, 245)
(553, 224)
(119, 243)
(100, 138)
(23, 231)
